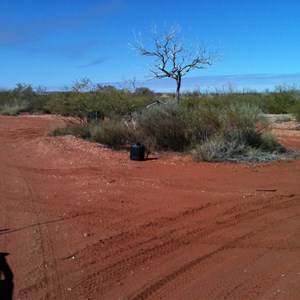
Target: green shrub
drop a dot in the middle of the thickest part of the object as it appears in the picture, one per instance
(244, 123)
(173, 127)
(295, 110)
(107, 100)
(111, 133)
(179, 128)
(218, 149)
(235, 121)
(78, 130)
(268, 142)
(241, 134)
(21, 98)
(12, 109)
(279, 102)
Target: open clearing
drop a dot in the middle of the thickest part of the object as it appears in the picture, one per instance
(81, 221)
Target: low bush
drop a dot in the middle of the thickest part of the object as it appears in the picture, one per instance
(295, 110)
(279, 102)
(219, 149)
(112, 133)
(242, 134)
(173, 127)
(20, 99)
(78, 130)
(167, 124)
(11, 109)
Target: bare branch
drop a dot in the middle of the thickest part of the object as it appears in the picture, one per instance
(171, 58)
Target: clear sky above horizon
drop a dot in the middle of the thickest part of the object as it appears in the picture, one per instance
(52, 43)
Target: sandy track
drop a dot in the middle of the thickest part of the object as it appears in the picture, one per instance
(80, 221)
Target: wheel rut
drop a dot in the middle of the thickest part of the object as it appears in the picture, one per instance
(170, 243)
(186, 268)
(37, 256)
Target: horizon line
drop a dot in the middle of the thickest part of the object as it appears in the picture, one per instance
(245, 81)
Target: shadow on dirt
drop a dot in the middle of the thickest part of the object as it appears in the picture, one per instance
(7, 231)
(151, 158)
(6, 278)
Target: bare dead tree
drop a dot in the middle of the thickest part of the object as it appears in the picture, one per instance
(172, 59)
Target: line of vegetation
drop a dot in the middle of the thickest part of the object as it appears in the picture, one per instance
(227, 126)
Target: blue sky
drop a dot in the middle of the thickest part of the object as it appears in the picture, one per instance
(52, 43)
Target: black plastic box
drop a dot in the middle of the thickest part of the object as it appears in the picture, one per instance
(137, 152)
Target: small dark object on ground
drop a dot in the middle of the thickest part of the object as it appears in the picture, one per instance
(137, 152)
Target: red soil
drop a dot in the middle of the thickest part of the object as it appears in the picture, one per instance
(81, 221)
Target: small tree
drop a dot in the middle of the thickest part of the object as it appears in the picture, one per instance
(172, 59)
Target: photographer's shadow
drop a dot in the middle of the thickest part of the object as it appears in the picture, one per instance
(6, 278)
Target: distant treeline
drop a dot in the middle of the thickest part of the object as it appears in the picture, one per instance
(110, 101)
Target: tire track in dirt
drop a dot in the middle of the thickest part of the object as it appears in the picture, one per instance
(194, 263)
(120, 243)
(253, 285)
(3, 208)
(17, 199)
(165, 222)
(116, 270)
(243, 281)
(53, 281)
(26, 202)
(183, 269)
(116, 241)
(142, 230)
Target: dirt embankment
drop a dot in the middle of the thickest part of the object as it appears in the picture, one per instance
(80, 221)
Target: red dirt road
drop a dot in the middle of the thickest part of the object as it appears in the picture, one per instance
(80, 221)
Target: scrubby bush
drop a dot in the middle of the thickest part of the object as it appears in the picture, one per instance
(295, 110)
(12, 108)
(279, 102)
(234, 121)
(211, 126)
(240, 132)
(107, 100)
(219, 149)
(78, 130)
(76, 101)
(167, 124)
(20, 99)
(112, 133)
(173, 127)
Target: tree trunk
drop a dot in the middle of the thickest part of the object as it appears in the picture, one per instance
(178, 82)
